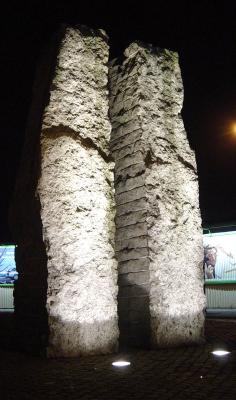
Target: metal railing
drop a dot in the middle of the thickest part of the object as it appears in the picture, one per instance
(6, 296)
(221, 294)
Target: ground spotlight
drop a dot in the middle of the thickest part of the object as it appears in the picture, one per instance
(220, 353)
(121, 364)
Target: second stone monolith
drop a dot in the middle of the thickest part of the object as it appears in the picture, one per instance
(159, 236)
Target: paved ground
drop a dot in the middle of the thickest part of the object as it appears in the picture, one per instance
(183, 373)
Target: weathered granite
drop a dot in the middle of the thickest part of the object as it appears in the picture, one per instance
(76, 196)
(159, 237)
(63, 211)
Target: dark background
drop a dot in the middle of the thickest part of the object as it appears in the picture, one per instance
(203, 33)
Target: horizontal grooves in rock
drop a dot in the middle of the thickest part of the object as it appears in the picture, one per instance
(130, 218)
(132, 243)
(127, 149)
(130, 201)
(132, 254)
(132, 168)
(130, 172)
(133, 272)
(130, 195)
(133, 296)
(138, 278)
(131, 231)
(136, 265)
(121, 107)
(137, 153)
(119, 110)
(122, 130)
(126, 141)
(127, 78)
(132, 206)
(129, 184)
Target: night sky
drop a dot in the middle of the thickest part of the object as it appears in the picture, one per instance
(204, 35)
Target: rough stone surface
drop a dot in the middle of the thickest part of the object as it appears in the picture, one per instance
(159, 237)
(76, 196)
(63, 211)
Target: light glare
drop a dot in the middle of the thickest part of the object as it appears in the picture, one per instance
(220, 352)
(233, 129)
(120, 363)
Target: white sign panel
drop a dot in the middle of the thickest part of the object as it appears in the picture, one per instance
(220, 255)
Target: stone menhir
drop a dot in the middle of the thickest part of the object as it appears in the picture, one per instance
(63, 212)
(158, 238)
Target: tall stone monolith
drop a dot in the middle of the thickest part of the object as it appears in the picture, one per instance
(66, 195)
(159, 236)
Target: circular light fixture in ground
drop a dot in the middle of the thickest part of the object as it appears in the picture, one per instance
(121, 363)
(220, 352)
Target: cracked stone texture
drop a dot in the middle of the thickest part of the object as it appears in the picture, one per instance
(159, 237)
(76, 195)
(78, 94)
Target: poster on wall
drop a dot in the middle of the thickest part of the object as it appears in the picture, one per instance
(8, 273)
(220, 255)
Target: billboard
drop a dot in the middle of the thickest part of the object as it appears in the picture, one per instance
(220, 255)
(8, 273)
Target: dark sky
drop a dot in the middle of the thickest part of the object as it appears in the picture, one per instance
(203, 33)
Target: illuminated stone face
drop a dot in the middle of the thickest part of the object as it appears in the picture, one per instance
(159, 236)
(77, 202)
(65, 205)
